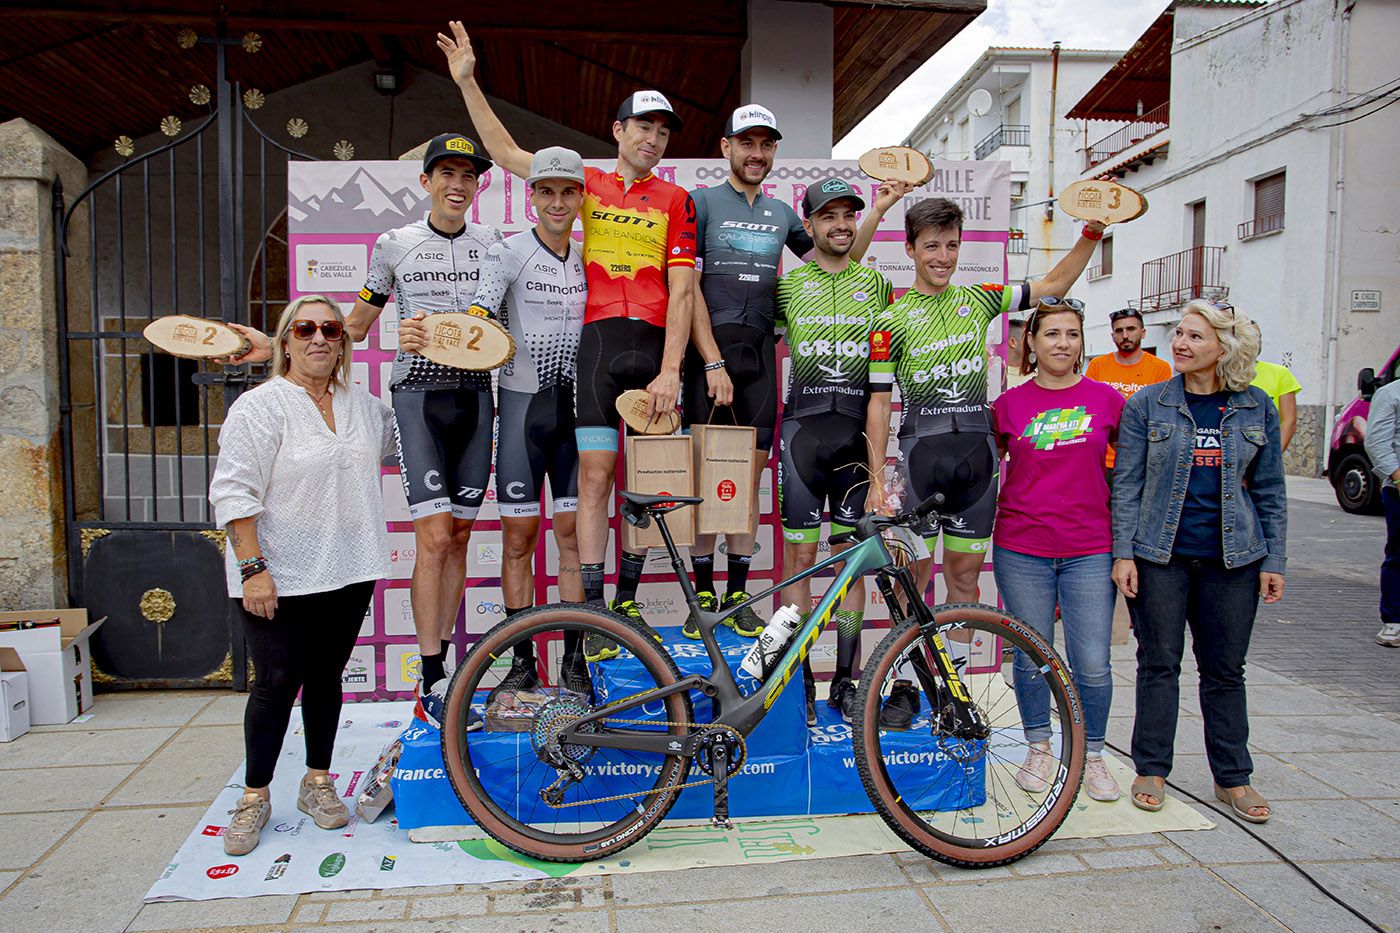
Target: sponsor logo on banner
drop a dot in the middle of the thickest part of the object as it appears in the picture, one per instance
(279, 867)
(419, 774)
(485, 607)
(398, 612)
(354, 780)
(213, 830)
(387, 862)
(331, 865)
(355, 674)
(169, 870)
(222, 871)
(289, 829)
(726, 490)
(334, 268)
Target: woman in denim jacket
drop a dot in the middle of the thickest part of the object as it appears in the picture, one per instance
(1199, 522)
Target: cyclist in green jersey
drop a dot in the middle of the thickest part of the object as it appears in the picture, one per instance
(825, 310)
(933, 341)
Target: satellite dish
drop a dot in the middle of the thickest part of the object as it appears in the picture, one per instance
(979, 102)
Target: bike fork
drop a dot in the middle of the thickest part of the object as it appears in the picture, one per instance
(950, 695)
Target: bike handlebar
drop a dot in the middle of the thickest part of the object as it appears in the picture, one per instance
(870, 524)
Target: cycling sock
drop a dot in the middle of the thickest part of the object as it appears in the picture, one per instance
(737, 580)
(630, 576)
(526, 648)
(592, 581)
(848, 625)
(433, 669)
(446, 644)
(704, 566)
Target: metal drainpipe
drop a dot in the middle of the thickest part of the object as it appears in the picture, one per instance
(1334, 258)
(1054, 87)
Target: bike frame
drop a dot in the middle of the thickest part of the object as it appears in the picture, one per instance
(744, 713)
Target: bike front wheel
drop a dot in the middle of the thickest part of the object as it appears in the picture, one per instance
(519, 778)
(964, 799)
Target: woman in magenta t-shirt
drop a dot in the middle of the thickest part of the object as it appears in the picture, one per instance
(1053, 541)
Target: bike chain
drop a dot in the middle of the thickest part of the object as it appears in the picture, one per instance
(709, 727)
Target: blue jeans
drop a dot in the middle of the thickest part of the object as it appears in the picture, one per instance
(1218, 605)
(1390, 567)
(1083, 588)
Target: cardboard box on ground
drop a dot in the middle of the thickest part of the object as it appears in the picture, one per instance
(14, 696)
(56, 658)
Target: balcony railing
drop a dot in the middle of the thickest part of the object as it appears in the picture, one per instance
(1102, 271)
(1003, 135)
(1128, 135)
(1181, 277)
(1265, 223)
(1017, 246)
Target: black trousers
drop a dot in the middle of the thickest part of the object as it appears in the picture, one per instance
(1219, 605)
(303, 647)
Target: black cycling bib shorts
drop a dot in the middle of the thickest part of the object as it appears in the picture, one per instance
(540, 429)
(614, 355)
(962, 466)
(443, 438)
(821, 461)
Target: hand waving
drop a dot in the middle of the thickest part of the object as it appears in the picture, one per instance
(461, 58)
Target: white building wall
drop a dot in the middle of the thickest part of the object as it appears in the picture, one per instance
(1238, 93)
(1023, 76)
(788, 67)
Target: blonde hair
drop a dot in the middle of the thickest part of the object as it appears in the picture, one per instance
(281, 363)
(1238, 336)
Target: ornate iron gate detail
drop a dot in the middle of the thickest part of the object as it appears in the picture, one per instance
(170, 231)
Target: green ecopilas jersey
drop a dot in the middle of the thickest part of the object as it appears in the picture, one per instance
(936, 346)
(827, 320)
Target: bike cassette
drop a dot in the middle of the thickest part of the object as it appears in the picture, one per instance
(733, 743)
(550, 724)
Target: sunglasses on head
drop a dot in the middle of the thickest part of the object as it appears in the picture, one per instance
(1122, 313)
(1050, 301)
(1224, 307)
(305, 330)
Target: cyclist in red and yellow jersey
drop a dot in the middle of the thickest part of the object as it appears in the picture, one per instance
(639, 256)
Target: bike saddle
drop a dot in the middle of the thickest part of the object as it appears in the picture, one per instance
(637, 508)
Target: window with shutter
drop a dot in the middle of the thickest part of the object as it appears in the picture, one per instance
(1268, 203)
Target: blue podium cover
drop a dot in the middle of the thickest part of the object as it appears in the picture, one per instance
(790, 769)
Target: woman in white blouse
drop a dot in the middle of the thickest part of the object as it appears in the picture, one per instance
(297, 488)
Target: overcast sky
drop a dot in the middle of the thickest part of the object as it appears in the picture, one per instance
(1081, 24)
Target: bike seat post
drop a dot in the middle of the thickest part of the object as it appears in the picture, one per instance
(677, 565)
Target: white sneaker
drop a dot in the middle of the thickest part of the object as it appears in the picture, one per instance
(1034, 776)
(1097, 781)
(1389, 635)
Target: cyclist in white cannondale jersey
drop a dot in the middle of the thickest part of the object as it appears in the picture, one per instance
(534, 284)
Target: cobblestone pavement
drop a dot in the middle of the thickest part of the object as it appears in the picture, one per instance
(92, 813)
(1322, 633)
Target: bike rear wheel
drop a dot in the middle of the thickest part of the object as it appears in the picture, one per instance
(501, 775)
(956, 799)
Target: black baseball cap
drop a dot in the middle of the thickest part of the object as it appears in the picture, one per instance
(642, 103)
(823, 193)
(454, 146)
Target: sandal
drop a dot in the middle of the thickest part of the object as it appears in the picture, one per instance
(1242, 804)
(1149, 787)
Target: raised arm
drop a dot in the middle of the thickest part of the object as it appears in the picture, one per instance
(461, 63)
(1059, 280)
(888, 196)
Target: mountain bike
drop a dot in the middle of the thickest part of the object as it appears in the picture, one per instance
(595, 770)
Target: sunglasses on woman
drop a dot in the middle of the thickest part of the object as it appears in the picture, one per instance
(305, 330)
(1050, 301)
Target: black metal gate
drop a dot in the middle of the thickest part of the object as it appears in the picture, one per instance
(196, 226)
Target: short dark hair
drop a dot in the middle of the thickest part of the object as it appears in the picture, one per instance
(938, 213)
(1122, 313)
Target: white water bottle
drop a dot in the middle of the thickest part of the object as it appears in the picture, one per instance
(771, 641)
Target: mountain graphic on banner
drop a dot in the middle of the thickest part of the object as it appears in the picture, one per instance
(361, 200)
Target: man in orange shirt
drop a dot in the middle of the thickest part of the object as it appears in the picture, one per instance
(1128, 368)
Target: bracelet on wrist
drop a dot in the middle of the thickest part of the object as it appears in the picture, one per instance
(717, 364)
(249, 560)
(252, 570)
(1091, 234)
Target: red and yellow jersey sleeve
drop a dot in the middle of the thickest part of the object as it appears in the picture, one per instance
(680, 231)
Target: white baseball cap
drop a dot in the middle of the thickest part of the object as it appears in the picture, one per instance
(749, 117)
(644, 102)
(556, 162)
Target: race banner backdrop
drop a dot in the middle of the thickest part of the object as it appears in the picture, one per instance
(336, 210)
